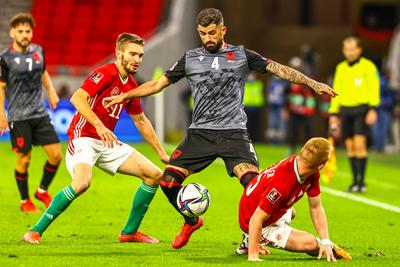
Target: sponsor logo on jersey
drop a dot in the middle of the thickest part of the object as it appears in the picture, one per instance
(96, 78)
(273, 195)
(201, 58)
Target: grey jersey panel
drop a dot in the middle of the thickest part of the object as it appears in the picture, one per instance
(217, 84)
(23, 74)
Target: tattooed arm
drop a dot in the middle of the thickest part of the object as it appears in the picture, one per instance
(295, 76)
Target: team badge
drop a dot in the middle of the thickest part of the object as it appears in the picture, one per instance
(176, 154)
(273, 195)
(114, 91)
(96, 78)
(36, 57)
(20, 142)
(230, 56)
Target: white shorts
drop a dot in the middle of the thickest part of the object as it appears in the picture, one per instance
(277, 234)
(92, 152)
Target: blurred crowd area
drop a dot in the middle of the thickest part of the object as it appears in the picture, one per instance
(304, 34)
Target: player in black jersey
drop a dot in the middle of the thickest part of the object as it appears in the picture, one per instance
(216, 73)
(22, 75)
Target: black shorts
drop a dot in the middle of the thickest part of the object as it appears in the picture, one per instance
(201, 147)
(353, 121)
(37, 132)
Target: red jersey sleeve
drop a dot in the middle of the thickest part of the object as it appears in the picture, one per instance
(272, 198)
(134, 107)
(314, 189)
(96, 82)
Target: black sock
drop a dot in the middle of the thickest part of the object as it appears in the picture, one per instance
(171, 183)
(49, 171)
(247, 177)
(354, 168)
(22, 182)
(362, 164)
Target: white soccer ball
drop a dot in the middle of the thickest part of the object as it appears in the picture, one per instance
(193, 200)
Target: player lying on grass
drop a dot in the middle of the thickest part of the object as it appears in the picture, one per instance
(265, 208)
(92, 142)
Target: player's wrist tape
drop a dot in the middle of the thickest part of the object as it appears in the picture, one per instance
(325, 242)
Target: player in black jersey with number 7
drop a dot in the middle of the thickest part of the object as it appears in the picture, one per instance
(216, 73)
(22, 74)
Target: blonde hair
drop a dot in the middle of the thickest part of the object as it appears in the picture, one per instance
(315, 152)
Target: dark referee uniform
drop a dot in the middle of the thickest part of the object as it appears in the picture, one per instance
(28, 118)
(218, 126)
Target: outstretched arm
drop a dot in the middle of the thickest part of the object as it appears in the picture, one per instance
(319, 220)
(146, 89)
(295, 76)
(146, 129)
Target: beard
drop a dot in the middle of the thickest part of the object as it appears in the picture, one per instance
(24, 43)
(125, 65)
(214, 47)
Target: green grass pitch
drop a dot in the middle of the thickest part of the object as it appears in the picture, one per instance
(87, 233)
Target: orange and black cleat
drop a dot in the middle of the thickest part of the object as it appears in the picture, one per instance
(339, 253)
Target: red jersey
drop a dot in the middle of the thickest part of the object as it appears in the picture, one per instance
(275, 190)
(104, 82)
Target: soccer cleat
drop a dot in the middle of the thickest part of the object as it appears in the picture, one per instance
(137, 237)
(362, 188)
(353, 188)
(32, 237)
(243, 249)
(44, 197)
(28, 206)
(184, 235)
(339, 253)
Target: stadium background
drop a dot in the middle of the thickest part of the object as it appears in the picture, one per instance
(79, 35)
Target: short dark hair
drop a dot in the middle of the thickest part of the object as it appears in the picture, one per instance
(209, 16)
(125, 38)
(22, 18)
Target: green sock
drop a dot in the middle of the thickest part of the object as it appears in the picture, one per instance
(144, 195)
(59, 203)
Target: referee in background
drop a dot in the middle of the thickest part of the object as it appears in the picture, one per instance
(356, 81)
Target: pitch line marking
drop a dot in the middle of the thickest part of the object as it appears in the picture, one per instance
(363, 200)
(335, 192)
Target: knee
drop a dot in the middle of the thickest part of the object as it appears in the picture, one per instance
(311, 245)
(55, 158)
(23, 161)
(81, 184)
(154, 179)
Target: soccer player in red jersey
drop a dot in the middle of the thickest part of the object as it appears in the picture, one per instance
(92, 142)
(265, 208)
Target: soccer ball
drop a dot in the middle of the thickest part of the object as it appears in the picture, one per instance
(193, 200)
